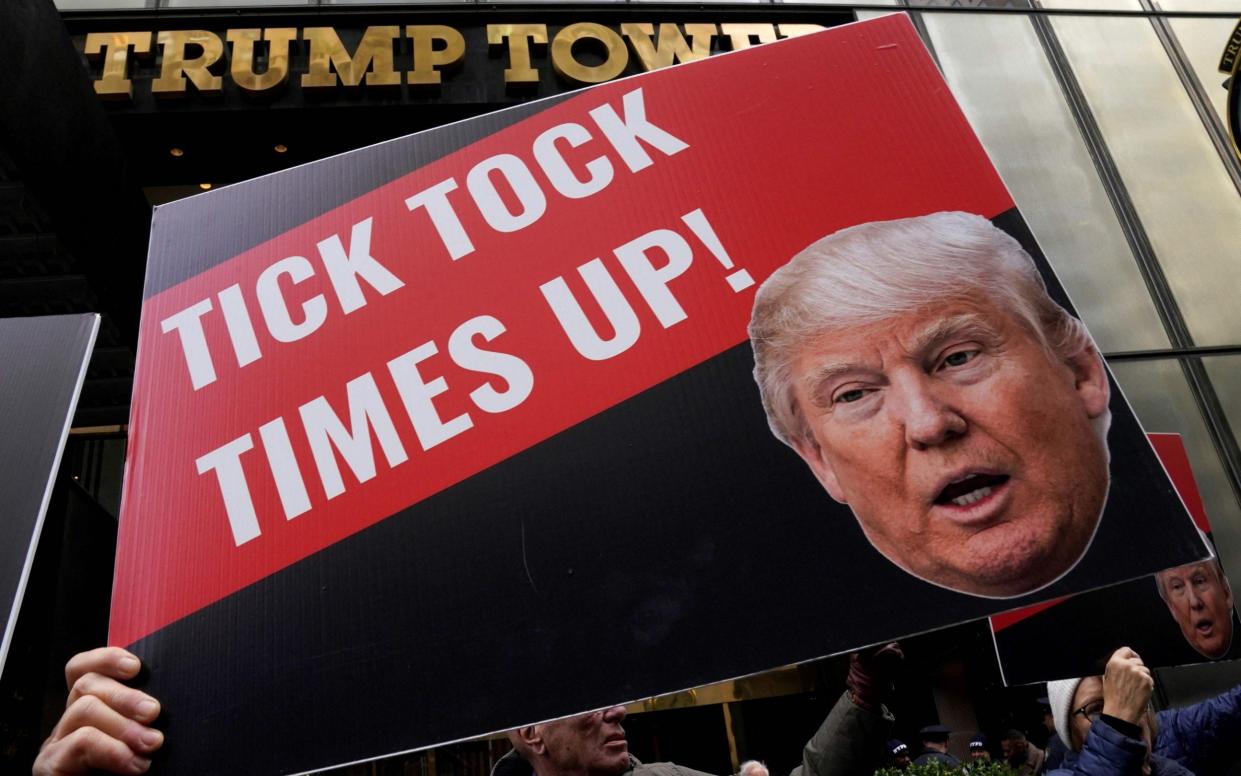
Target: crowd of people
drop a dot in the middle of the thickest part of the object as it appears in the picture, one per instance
(1102, 726)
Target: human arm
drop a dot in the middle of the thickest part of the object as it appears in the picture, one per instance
(1202, 737)
(850, 740)
(105, 724)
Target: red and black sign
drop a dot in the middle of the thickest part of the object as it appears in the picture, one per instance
(44, 365)
(459, 431)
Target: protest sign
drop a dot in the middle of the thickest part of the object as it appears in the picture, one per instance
(44, 365)
(460, 431)
(1180, 616)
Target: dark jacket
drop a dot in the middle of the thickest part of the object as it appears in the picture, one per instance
(1109, 752)
(1202, 737)
(937, 757)
(848, 743)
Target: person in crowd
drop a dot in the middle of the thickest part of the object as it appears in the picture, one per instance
(1199, 598)
(1107, 724)
(1024, 757)
(898, 753)
(1199, 739)
(1055, 749)
(935, 746)
(979, 753)
(753, 768)
(921, 370)
(108, 726)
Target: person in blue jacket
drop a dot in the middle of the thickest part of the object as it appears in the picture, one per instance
(1109, 729)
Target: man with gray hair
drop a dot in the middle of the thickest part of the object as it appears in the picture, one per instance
(1199, 598)
(921, 370)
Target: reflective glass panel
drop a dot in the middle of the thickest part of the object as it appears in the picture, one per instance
(1203, 40)
(231, 3)
(1227, 6)
(1188, 205)
(1094, 5)
(102, 5)
(996, 67)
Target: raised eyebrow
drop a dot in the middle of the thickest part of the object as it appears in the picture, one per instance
(965, 324)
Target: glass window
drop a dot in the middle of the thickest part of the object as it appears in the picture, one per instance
(1188, 205)
(392, 2)
(1093, 5)
(1225, 6)
(861, 15)
(102, 5)
(1203, 41)
(996, 67)
(1225, 374)
(231, 3)
(1161, 398)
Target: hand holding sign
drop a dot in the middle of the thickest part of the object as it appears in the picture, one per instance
(105, 723)
(1127, 686)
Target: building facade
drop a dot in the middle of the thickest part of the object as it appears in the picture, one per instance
(1109, 120)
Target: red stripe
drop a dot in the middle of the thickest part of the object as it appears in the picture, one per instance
(786, 143)
(1172, 454)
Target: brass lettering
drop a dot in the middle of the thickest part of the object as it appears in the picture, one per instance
(797, 30)
(114, 84)
(177, 69)
(427, 58)
(520, 37)
(242, 69)
(672, 46)
(373, 59)
(615, 53)
(745, 35)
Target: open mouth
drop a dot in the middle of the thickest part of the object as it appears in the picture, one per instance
(970, 489)
(1204, 626)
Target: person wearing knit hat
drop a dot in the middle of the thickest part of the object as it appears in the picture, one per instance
(1197, 739)
(1107, 722)
(978, 748)
(898, 753)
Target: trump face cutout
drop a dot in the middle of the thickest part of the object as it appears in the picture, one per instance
(1200, 600)
(964, 428)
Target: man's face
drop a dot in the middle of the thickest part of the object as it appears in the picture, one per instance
(1014, 750)
(980, 755)
(963, 447)
(1200, 601)
(592, 744)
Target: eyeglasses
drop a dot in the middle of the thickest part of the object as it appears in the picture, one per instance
(1091, 711)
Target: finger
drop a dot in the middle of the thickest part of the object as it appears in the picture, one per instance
(1123, 653)
(91, 712)
(132, 703)
(85, 749)
(108, 661)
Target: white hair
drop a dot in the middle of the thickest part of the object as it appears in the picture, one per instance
(1213, 563)
(750, 765)
(873, 271)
